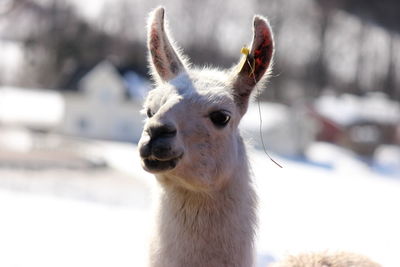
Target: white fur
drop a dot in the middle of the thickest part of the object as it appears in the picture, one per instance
(207, 205)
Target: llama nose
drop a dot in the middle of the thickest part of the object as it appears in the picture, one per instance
(156, 141)
(161, 131)
(160, 142)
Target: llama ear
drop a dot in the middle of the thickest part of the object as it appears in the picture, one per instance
(255, 63)
(164, 60)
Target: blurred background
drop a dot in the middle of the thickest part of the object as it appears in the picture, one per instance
(73, 76)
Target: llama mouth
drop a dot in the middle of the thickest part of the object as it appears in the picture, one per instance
(155, 165)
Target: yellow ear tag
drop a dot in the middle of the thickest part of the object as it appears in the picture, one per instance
(245, 51)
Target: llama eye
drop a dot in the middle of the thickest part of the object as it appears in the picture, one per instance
(149, 113)
(220, 118)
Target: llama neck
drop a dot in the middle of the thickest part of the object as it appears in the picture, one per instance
(197, 229)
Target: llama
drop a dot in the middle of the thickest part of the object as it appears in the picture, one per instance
(191, 143)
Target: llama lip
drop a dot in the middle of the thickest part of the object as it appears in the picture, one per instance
(155, 165)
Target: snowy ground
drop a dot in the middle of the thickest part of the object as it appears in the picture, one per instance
(342, 207)
(94, 218)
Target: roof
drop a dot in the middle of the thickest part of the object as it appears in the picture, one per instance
(349, 109)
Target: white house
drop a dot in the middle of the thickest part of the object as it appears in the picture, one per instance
(101, 108)
(285, 130)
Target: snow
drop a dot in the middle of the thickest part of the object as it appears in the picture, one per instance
(33, 107)
(16, 139)
(345, 206)
(388, 155)
(48, 231)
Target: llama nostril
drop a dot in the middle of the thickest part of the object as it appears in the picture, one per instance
(162, 131)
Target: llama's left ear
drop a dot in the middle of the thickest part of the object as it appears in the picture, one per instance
(255, 64)
(165, 62)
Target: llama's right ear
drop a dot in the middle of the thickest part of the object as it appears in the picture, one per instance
(164, 60)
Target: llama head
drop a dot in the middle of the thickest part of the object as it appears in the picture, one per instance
(191, 136)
